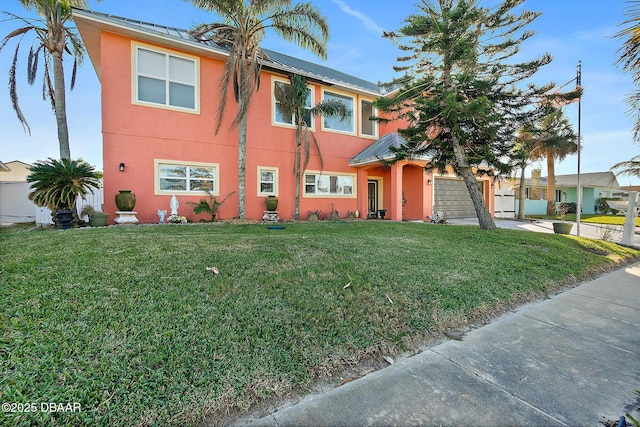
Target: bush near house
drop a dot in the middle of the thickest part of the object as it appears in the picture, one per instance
(133, 323)
(604, 208)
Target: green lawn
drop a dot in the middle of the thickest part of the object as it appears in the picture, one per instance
(593, 219)
(128, 322)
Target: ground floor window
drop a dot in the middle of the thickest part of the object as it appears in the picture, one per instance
(329, 184)
(173, 177)
(267, 181)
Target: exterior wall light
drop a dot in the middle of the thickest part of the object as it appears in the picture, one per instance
(121, 167)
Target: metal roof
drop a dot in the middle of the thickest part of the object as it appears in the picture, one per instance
(275, 60)
(379, 150)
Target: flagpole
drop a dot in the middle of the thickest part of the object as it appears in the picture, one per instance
(579, 207)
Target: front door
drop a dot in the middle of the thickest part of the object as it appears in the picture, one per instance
(373, 199)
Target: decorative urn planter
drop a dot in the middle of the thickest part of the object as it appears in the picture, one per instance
(562, 227)
(125, 200)
(271, 203)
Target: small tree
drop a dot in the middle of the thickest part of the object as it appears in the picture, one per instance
(521, 156)
(211, 206)
(293, 101)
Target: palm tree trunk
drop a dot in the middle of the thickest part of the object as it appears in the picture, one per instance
(242, 163)
(297, 172)
(521, 194)
(464, 170)
(61, 106)
(551, 184)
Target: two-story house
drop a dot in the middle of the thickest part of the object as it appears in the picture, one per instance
(159, 104)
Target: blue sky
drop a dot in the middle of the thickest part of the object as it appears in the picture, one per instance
(570, 30)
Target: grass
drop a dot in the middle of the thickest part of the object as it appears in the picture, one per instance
(589, 218)
(128, 322)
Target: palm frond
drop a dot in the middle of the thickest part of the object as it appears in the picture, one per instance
(13, 94)
(629, 167)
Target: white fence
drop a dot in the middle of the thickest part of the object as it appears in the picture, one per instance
(94, 199)
(15, 205)
(505, 203)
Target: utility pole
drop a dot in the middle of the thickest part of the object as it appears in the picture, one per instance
(579, 207)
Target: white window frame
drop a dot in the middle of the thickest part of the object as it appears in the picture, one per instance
(276, 172)
(354, 118)
(274, 108)
(156, 178)
(135, 48)
(374, 112)
(354, 187)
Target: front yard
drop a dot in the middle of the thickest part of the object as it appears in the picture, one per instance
(132, 324)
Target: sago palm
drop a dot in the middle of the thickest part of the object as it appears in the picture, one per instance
(243, 27)
(293, 102)
(52, 40)
(57, 184)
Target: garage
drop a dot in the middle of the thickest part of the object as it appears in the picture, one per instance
(451, 197)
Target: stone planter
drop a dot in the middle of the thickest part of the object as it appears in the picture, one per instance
(562, 227)
(125, 200)
(98, 220)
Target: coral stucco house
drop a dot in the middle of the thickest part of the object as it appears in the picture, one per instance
(159, 101)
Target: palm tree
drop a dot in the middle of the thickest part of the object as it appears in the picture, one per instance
(630, 61)
(630, 56)
(521, 155)
(53, 38)
(293, 102)
(630, 167)
(553, 139)
(244, 27)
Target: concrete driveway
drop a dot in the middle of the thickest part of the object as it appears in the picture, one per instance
(592, 231)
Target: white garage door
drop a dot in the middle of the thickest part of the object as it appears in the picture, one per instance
(452, 198)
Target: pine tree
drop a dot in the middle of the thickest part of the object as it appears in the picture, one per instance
(464, 95)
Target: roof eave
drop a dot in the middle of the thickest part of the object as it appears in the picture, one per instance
(90, 26)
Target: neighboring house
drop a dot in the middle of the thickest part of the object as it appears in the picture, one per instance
(15, 205)
(595, 185)
(159, 102)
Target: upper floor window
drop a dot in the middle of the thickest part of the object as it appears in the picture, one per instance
(368, 127)
(165, 79)
(281, 117)
(184, 177)
(336, 123)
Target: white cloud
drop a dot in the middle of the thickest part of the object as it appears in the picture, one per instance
(366, 20)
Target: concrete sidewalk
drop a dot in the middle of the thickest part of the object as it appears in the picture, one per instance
(573, 359)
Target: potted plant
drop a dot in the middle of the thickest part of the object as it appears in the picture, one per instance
(56, 184)
(96, 218)
(562, 227)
